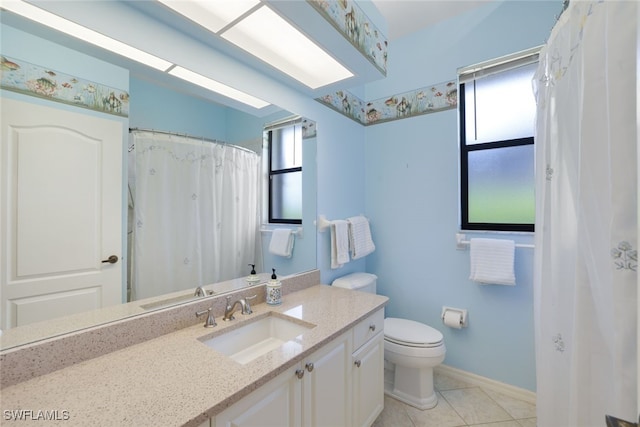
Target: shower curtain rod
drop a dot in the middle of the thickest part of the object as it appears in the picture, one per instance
(186, 135)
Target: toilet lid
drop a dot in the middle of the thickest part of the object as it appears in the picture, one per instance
(404, 331)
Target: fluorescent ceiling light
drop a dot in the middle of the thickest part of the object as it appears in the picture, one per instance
(270, 37)
(218, 87)
(213, 15)
(56, 22)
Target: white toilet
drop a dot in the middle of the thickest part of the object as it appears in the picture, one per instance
(411, 351)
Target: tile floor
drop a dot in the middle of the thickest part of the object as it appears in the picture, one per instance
(460, 404)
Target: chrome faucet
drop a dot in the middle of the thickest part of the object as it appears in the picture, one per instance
(211, 321)
(200, 292)
(231, 308)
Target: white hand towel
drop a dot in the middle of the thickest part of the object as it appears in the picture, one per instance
(281, 242)
(339, 243)
(492, 261)
(360, 237)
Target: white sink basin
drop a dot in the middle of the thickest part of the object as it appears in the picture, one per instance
(257, 337)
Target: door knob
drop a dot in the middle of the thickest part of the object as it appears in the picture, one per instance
(111, 260)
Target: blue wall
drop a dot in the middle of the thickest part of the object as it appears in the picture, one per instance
(158, 108)
(411, 192)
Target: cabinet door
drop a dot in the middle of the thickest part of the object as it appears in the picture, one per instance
(327, 385)
(368, 381)
(276, 404)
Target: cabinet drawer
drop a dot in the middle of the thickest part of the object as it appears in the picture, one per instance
(368, 328)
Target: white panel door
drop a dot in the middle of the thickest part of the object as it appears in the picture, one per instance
(61, 212)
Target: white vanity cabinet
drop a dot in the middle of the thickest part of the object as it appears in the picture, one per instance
(368, 370)
(277, 403)
(327, 385)
(315, 392)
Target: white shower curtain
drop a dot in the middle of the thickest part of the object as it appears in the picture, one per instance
(197, 215)
(585, 287)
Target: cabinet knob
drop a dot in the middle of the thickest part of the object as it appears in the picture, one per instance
(309, 366)
(357, 363)
(372, 327)
(299, 373)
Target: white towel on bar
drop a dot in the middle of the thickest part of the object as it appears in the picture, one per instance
(492, 261)
(281, 242)
(339, 243)
(360, 237)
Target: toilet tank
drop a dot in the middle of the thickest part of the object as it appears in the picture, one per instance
(365, 282)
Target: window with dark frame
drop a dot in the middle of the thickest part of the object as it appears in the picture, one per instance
(497, 119)
(285, 173)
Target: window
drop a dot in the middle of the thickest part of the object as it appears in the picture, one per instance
(497, 118)
(284, 166)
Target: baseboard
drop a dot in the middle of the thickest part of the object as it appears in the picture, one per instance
(477, 380)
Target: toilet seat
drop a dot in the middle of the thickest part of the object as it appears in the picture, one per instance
(410, 333)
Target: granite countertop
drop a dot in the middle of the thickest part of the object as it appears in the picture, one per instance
(61, 325)
(177, 380)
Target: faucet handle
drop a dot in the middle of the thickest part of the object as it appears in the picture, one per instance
(247, 307)
(211, 321)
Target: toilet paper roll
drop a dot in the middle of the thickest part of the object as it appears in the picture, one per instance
(453, 319)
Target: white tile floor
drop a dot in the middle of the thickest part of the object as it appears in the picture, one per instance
(460, 404)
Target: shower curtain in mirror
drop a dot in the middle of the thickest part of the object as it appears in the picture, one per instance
(585, 287)
(196, 213)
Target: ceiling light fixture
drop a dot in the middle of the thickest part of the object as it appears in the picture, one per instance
(216, 86)
(270, 37)
(34, 13)
(266, 35)
(212, 15)
(56, 22)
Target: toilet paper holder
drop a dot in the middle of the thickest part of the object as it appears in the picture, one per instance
(460, 311)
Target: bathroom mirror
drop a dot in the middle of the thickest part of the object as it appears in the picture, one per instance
(42, 330)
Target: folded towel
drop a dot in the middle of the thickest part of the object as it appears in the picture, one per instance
(281, 242)
(339, 243)
(360, 237)
(492, 261)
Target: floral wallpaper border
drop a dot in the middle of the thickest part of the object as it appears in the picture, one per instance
(346, 104)
(425, 100)
(35, 80)
(349, 19)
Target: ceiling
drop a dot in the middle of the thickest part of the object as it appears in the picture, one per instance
(403, 17)
(408, 16)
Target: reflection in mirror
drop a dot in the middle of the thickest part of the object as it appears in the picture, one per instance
(194, 206)
(175, 244)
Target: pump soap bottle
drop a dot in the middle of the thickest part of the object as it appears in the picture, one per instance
(253, 277)
(274, 290)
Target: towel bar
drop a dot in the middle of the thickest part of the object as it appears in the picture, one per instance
(462, 244)
(297, 231)
(322, 223)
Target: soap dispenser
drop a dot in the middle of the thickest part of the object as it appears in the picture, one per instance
(274, 290)
(253, 277)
